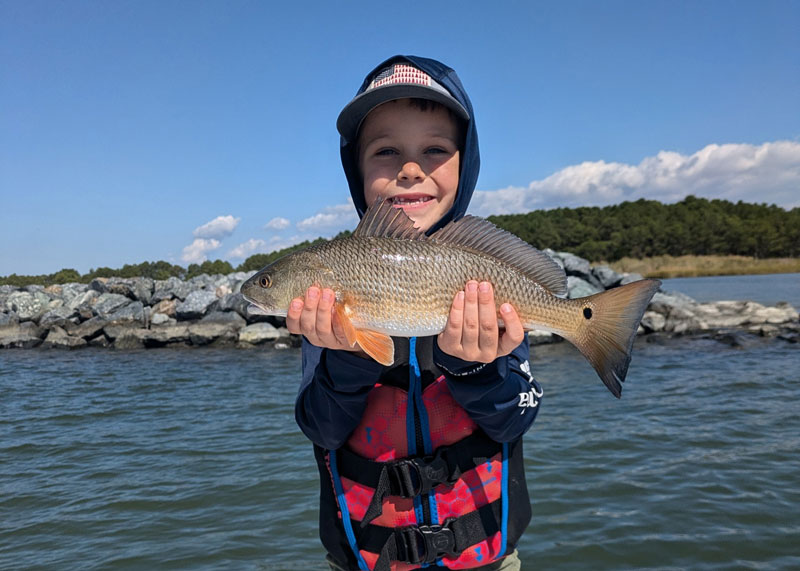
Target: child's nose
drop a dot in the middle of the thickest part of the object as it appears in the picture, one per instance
(411, 171)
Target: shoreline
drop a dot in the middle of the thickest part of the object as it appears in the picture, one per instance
(691, 266)
(208, 310)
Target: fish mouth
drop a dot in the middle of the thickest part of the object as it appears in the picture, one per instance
(255, 309)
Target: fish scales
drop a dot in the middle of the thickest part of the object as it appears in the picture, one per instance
(412, 284)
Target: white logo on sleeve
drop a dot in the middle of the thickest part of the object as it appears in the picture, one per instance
(531, 398)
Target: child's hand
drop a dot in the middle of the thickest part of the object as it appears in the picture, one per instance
(472, 333)
(313, 316)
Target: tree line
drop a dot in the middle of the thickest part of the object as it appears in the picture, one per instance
(646, 228)
(639, 229)
(160, 270)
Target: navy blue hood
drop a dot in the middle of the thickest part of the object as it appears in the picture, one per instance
(470, 155)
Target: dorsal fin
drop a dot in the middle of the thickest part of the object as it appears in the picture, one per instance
(480, 235)
(383, 220)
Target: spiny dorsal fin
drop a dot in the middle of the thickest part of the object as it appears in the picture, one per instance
(382, 220)
(480, 235)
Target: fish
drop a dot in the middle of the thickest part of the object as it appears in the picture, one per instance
(392, 280)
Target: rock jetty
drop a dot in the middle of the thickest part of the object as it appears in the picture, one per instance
(137, 313)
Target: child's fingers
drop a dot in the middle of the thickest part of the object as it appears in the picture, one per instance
(293, 315)
(487, 320)
(323, 318)
(514, 332)
(308, 317)
(450, 338)
(470, 330)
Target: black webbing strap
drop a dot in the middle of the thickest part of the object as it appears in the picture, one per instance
(426, 543)
(412, 476)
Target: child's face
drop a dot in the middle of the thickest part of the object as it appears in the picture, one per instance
(410, 157)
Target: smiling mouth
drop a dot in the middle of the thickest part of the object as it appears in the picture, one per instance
(401, 201)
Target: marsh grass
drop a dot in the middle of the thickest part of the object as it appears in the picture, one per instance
(693, 266)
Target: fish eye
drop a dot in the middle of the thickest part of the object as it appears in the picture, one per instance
(265, 281)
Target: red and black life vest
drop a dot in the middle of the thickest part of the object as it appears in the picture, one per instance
(418, 483)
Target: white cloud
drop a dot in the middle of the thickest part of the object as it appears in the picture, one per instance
(220, 227)
(278, 223)
(195, 253)
(338, 217)
(245, 249)
(753, 173)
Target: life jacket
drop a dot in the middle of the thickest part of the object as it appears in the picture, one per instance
(418, 483)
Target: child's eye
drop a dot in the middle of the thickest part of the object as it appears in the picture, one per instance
(385, 152)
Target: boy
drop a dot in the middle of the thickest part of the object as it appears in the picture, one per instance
(420, 462)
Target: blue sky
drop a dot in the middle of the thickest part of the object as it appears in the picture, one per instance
(178, 131)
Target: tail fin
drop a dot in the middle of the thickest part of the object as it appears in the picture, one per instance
(611, 319)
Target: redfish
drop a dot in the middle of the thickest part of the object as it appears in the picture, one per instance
(390, 279)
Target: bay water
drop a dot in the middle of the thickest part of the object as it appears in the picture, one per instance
(191, 459)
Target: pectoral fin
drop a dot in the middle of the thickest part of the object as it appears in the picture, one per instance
(377, 345)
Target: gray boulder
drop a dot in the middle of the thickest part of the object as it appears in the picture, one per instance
(538, 337)
(130, 340)
(90, 328)
(607, 277)
(23, 336)
(580, 268)
(83, 300)
(108, 303)
(161, 319)
(653, 322)
(165, 306)
(99, 285)
(225, 317)
(235, 302)
(137, 289)
(28, 306)
(7, 289)
(170, 334)
(100, 341)
(8, 319)
(258, 333)
(57, 338)
(169, 289)
(219, 333)
(132, 313)
(578, 287)
(59, 316)
(664, 301)
(72, 290)
(196, 305)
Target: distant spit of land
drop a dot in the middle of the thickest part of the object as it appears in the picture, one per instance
(695, 266)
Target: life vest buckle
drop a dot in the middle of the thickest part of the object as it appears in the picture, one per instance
(436, 541)
(415, 476)
(432, 471)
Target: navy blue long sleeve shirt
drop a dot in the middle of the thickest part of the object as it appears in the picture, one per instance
(501, 397)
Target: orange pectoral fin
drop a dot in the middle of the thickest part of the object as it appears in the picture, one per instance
(347, 325)
(377, 345)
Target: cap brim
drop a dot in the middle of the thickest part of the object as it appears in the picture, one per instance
(353, 114)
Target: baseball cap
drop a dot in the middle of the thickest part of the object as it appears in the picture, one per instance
(395, 81)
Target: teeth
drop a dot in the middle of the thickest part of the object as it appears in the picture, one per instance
(400, 200)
